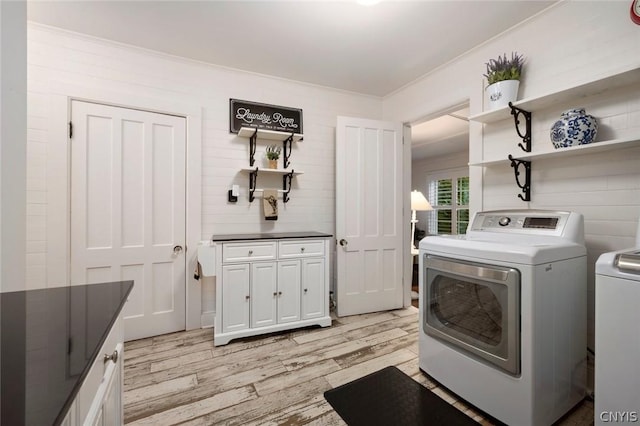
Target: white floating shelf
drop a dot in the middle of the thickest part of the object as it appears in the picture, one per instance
(591, 148)
(273, 171)
(247, 132)
(595, 87)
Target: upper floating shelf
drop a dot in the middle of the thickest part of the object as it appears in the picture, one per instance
(595, 87)
(272, 171)
(591, 148)
(247, 132)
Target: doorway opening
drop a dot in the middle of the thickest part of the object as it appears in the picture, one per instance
(439, 147)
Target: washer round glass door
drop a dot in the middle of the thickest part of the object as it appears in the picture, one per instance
(475, 307)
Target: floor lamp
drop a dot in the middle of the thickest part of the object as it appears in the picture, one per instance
(418, 203)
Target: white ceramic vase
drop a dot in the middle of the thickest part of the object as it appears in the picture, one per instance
(501, 93)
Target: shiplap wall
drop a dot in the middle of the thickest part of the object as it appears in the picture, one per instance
(13, 118)
(57, 59)
(568, 44)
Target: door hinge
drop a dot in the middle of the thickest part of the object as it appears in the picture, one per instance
(70, 130)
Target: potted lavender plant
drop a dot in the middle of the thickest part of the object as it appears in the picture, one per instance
(503, 79)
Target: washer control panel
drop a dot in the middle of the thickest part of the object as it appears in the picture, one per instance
(520, 222)
(530, 221)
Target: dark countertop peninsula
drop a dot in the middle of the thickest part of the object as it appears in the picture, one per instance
(49, 339)
(269, 236)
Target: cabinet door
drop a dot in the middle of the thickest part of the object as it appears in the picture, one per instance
(112, 408)
(288, 291)
(106, 408)
(263, 294)
(314, 292)
(235, 297)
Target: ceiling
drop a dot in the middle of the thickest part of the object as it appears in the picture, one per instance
(442, 135)
(373, 50)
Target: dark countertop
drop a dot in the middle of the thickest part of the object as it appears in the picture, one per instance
(49, 339)
(269, 236)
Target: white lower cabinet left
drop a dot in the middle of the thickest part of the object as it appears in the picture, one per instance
(268, 286)
(99, 401)
(260, 294)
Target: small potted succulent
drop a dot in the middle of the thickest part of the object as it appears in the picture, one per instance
(503, 79)
(273, 153)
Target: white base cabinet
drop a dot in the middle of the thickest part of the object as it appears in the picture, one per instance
(99, 401)
(265, 286)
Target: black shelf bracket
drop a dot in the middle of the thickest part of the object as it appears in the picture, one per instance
(253, 177)
(286, 151)
(526, 137)
(286, 186)
(526, 185)
(252, 148)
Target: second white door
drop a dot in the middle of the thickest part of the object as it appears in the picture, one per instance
(128, 210)
(369, 216)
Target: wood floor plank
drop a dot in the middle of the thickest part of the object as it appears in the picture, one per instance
(411, 311)
(304, 412)
(169, 353)
(275, 379)
(181, 360)
(243, 377)
(147, 379)
(163, 389)
(269, 404)
(374, 351)
(349, 347)
(151, 406)
(186, 412)
(359, 370)
(345, 324)
(290, 378)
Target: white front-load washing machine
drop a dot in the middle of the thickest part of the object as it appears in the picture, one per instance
(617, 333)
(503, 313)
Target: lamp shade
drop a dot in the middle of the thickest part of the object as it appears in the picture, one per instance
(419, 202)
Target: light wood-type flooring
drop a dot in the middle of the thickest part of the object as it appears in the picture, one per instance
(278, 379)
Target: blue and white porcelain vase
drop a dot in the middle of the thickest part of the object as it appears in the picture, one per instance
(574, 128)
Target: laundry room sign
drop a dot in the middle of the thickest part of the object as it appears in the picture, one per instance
(263, 116)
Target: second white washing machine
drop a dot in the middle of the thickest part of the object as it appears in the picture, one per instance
(503, 313)
(617, 349)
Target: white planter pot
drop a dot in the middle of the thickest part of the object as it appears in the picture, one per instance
(501, 93)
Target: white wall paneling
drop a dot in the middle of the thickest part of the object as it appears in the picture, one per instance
(603, 186)
(13, 135)
(64, 65)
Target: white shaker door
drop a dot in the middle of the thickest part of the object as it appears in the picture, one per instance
(369, 216)
(128, 210)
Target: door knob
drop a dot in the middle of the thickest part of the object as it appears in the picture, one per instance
(177, 249)
(343, 242)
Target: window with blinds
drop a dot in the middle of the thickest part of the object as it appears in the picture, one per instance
(449, 197)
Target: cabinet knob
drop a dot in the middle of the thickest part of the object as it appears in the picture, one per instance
(343, 242)
(275, 293)
(279, 293)
(246, 297)
(250, 252)
(113, 357)
(302, 249)
(306, 289)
